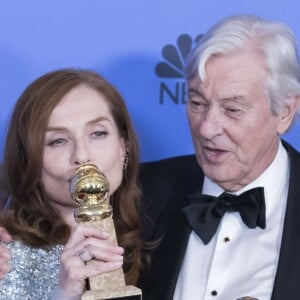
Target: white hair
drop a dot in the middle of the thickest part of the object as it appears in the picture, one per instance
(274, 40)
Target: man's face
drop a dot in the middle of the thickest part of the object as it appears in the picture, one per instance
(235, 134)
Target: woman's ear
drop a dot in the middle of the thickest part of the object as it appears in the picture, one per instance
(124, 153)
(122, 148)
(287, 115)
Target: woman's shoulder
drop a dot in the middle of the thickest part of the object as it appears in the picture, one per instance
(34, 271)
(21, 251)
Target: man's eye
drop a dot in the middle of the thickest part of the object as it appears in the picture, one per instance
(232, 110)
(197, 105)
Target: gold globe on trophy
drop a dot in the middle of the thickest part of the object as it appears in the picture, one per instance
(89, 188)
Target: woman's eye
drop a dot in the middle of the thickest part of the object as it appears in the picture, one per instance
(56, 142)
(99, 133)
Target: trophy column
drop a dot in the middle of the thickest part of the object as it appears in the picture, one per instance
(90, 189)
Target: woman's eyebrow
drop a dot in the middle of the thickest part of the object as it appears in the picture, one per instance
(55, 128)
(99, 119)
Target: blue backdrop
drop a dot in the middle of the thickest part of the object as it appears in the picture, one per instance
(137, 45)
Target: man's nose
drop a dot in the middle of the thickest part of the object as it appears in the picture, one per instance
(211, 124)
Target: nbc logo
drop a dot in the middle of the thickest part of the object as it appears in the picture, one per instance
(172, 70)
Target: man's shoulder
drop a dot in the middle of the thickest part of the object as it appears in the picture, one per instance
(181, 171)
(290, 149)
(165, 184)
(294, 157)
(171, 163)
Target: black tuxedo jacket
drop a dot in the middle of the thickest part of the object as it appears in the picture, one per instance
(165, 185)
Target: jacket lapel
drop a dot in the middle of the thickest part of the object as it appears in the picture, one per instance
(173, 247)
(173, 230)
(286, 285)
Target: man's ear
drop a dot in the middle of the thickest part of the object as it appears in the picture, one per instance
(287, 115)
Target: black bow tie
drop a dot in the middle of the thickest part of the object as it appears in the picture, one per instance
(204, 212)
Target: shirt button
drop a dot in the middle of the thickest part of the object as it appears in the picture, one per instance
(226, 239)
(214, 293)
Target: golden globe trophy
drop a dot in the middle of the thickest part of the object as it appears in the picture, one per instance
(90, 189)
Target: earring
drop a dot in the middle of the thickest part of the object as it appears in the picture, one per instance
(126, 157)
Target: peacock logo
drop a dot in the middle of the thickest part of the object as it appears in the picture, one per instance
(172, 67)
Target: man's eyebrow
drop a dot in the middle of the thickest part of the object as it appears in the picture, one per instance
(192, 92)
(195, 91)
(233, 98)
(230, 98)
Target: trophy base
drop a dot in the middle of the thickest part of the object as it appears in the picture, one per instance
(128, 292)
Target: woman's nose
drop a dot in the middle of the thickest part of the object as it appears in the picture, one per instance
(80, 153)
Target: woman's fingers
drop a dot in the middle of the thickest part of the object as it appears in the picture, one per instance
(103, 251)
(72, 276)
(91, 248)
(5, 256)
(74, 272)
(82, 232)
(4, 268)
(87, 253)
(89, 242)
(4, 235)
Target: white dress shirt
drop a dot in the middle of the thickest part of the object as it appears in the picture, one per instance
(238, 261)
